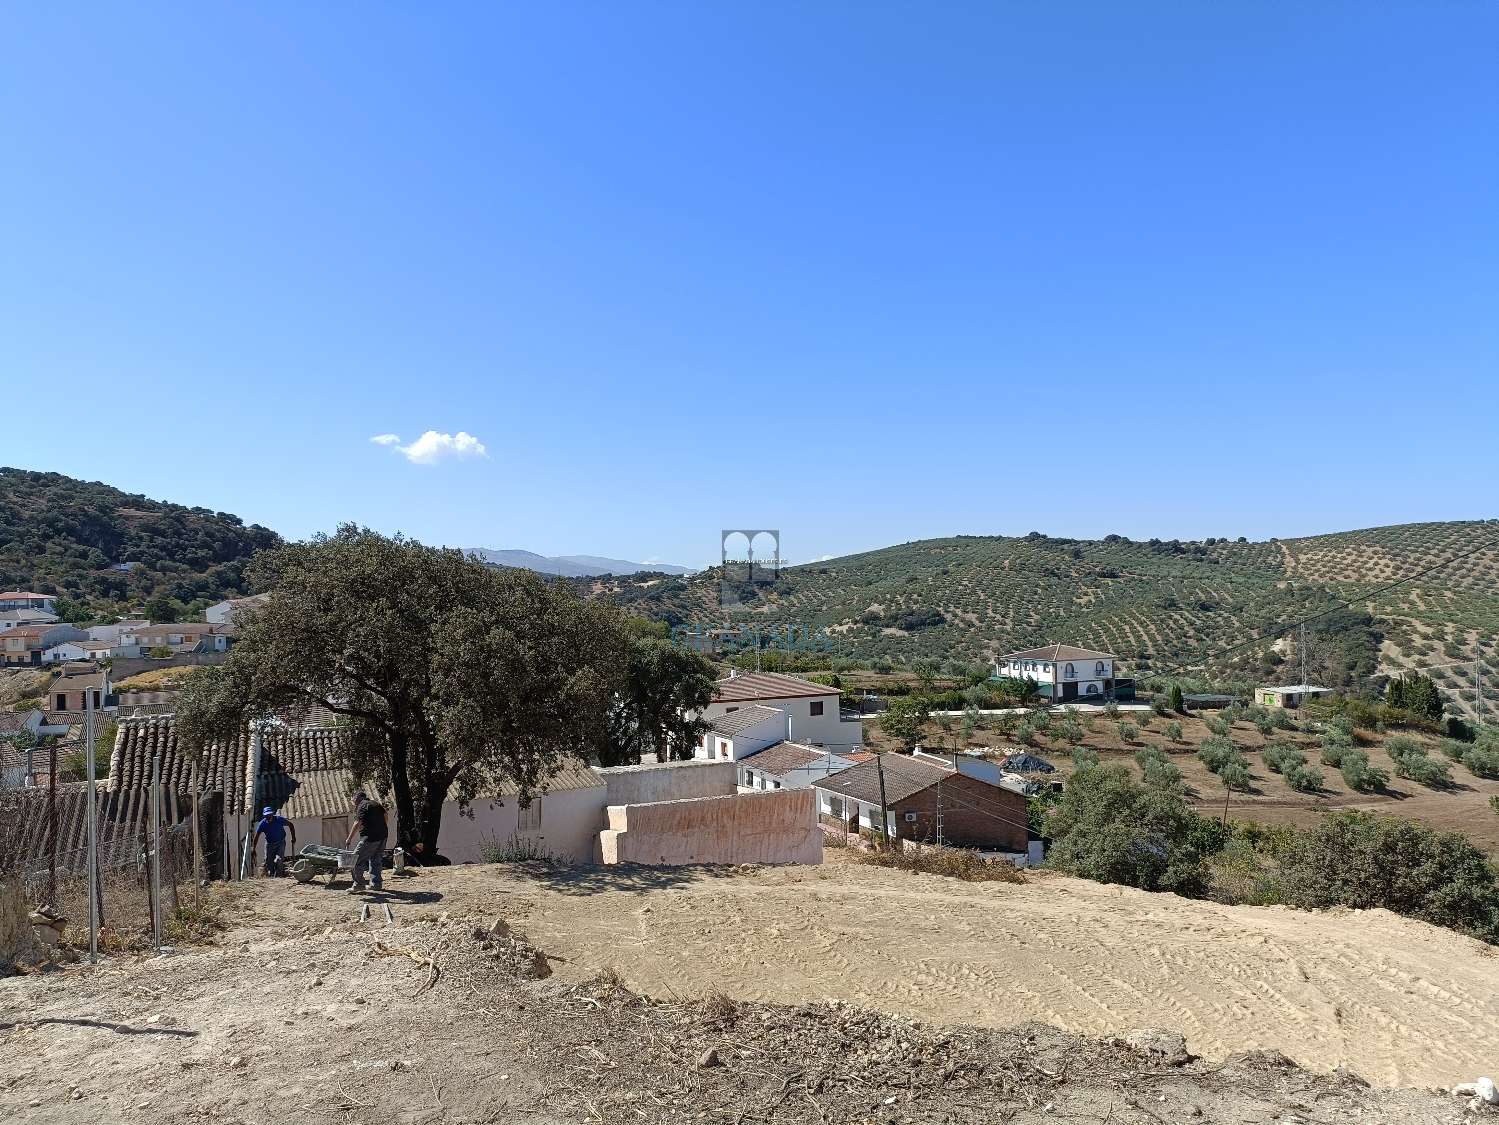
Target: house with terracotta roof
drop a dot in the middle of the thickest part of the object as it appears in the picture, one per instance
(26, 599)
(70, 693)
(788, 765)
(811, 710)
(1062, 672)
(927, 802)
(25, 644)
(182, 636)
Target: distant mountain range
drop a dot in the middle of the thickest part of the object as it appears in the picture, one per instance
(570, 566)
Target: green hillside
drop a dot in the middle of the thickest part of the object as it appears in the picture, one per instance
(64, 536)
(1164, 606)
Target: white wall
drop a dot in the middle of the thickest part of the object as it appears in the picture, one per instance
(815, 730)
(564, 824)
(667, 781)
(798, 779)
(751, 740)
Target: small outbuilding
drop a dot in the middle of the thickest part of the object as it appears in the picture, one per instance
(1289, 697)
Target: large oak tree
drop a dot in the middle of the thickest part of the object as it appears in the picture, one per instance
(454, 678)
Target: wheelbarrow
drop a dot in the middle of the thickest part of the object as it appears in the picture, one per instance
(320, 859)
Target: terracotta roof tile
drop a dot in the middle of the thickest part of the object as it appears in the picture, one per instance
(1058, 652)
(747, 686)
(904, 777)
(741, 719)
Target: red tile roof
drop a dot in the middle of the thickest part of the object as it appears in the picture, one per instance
(748, 686)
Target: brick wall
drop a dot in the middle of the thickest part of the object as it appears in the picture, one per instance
(975, 814)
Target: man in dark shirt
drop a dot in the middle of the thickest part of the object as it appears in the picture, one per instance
(274, 829)
(369, 826)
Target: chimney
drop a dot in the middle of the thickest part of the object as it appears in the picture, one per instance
(788, 726)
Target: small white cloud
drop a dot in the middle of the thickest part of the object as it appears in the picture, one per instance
(822, 558)
(433, 447)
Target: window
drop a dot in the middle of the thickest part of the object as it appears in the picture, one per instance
(723, 749)
(726, 710)
(61, 703)
(1092, 689)
(775, 784)
(1098, 668)
(817, 708)
(1071, 672)
(528, 819)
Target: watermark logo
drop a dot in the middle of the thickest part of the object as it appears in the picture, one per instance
(731, 639)
(740, 578)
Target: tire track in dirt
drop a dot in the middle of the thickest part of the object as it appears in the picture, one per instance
(1395, 1000)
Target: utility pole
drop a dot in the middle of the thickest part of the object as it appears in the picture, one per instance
(52, 825)
(93, 853)
(879, 767)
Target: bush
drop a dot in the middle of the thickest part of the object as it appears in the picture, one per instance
(1359, 775)
(1482, 761)
(1365, 861)
(1219, 726)
(1175, 700)
(1084, 758)
(1111, 709)
(1174, 731)
(1284, 756)
(1304, 778)
(1454, 749)
(955, 863)
(1068, 729)
(1159, 706)
(1281, 719)
(1235, 774)
(1128, 732)
(1111, 829)
(1161, 773)
(1216, 753)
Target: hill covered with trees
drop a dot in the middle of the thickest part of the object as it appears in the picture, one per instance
(1165, 606)
(103, 549)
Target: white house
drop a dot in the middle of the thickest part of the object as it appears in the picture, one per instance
(1061, 672)
(12, 618)
(811, 709)
(25, 599)
(743, 731)
(1291, 696)
(788, 765)
(110, 634)
(222, 613)
(186, 636)
(66, 651)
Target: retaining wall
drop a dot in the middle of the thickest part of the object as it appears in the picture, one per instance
(777, 826)
(669, 781)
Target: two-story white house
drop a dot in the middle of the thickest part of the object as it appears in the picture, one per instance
(25, 599)
(1062, 672)
(811, 714)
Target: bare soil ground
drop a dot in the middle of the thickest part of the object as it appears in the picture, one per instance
(802, 983)
(1462, 807)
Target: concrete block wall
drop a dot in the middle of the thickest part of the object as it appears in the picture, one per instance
(669, 781)
(772, 827)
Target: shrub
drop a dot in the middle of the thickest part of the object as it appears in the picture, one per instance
(1175, 700)
(1084, 758)
(1304, 778)
(1216, 752)
(1160, 707)
(1111, 709)
(1142, 720)
(1235, 774)
(1365, 861)
(955, 863)
(1454, 749)
(1069, 729)
(1219, 726)
(1483, 761)
(1025, 734)
(1041, 721)
(1109, 828)
(1281, 719)
(1161, 773)
(1359, 774)
(1128, 731)
(1174, 731)
(1284, 756)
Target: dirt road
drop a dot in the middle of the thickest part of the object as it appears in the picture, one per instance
(1397, 1001)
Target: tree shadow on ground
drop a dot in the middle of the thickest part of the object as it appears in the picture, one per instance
(623, 878)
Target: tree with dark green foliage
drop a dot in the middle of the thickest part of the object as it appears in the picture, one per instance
(1176, 702)
(162, 610)
(664, 684)
(456, 679)
(1110, 828)
(1415, 693)
(1365, 861)
(902, 721)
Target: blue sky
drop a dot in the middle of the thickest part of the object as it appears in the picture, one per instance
(864, 272)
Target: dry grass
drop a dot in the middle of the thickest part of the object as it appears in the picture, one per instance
(955, 863)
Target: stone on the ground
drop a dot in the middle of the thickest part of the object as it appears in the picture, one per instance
(1159, 1042)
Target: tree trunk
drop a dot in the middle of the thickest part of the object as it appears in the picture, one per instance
(431, 827)
(400, 783)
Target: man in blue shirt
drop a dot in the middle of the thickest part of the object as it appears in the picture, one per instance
(274, 829)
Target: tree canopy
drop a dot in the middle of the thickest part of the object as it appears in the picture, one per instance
(457, 680)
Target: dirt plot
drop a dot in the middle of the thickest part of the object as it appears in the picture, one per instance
(1351, 988)
(309, 1014)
